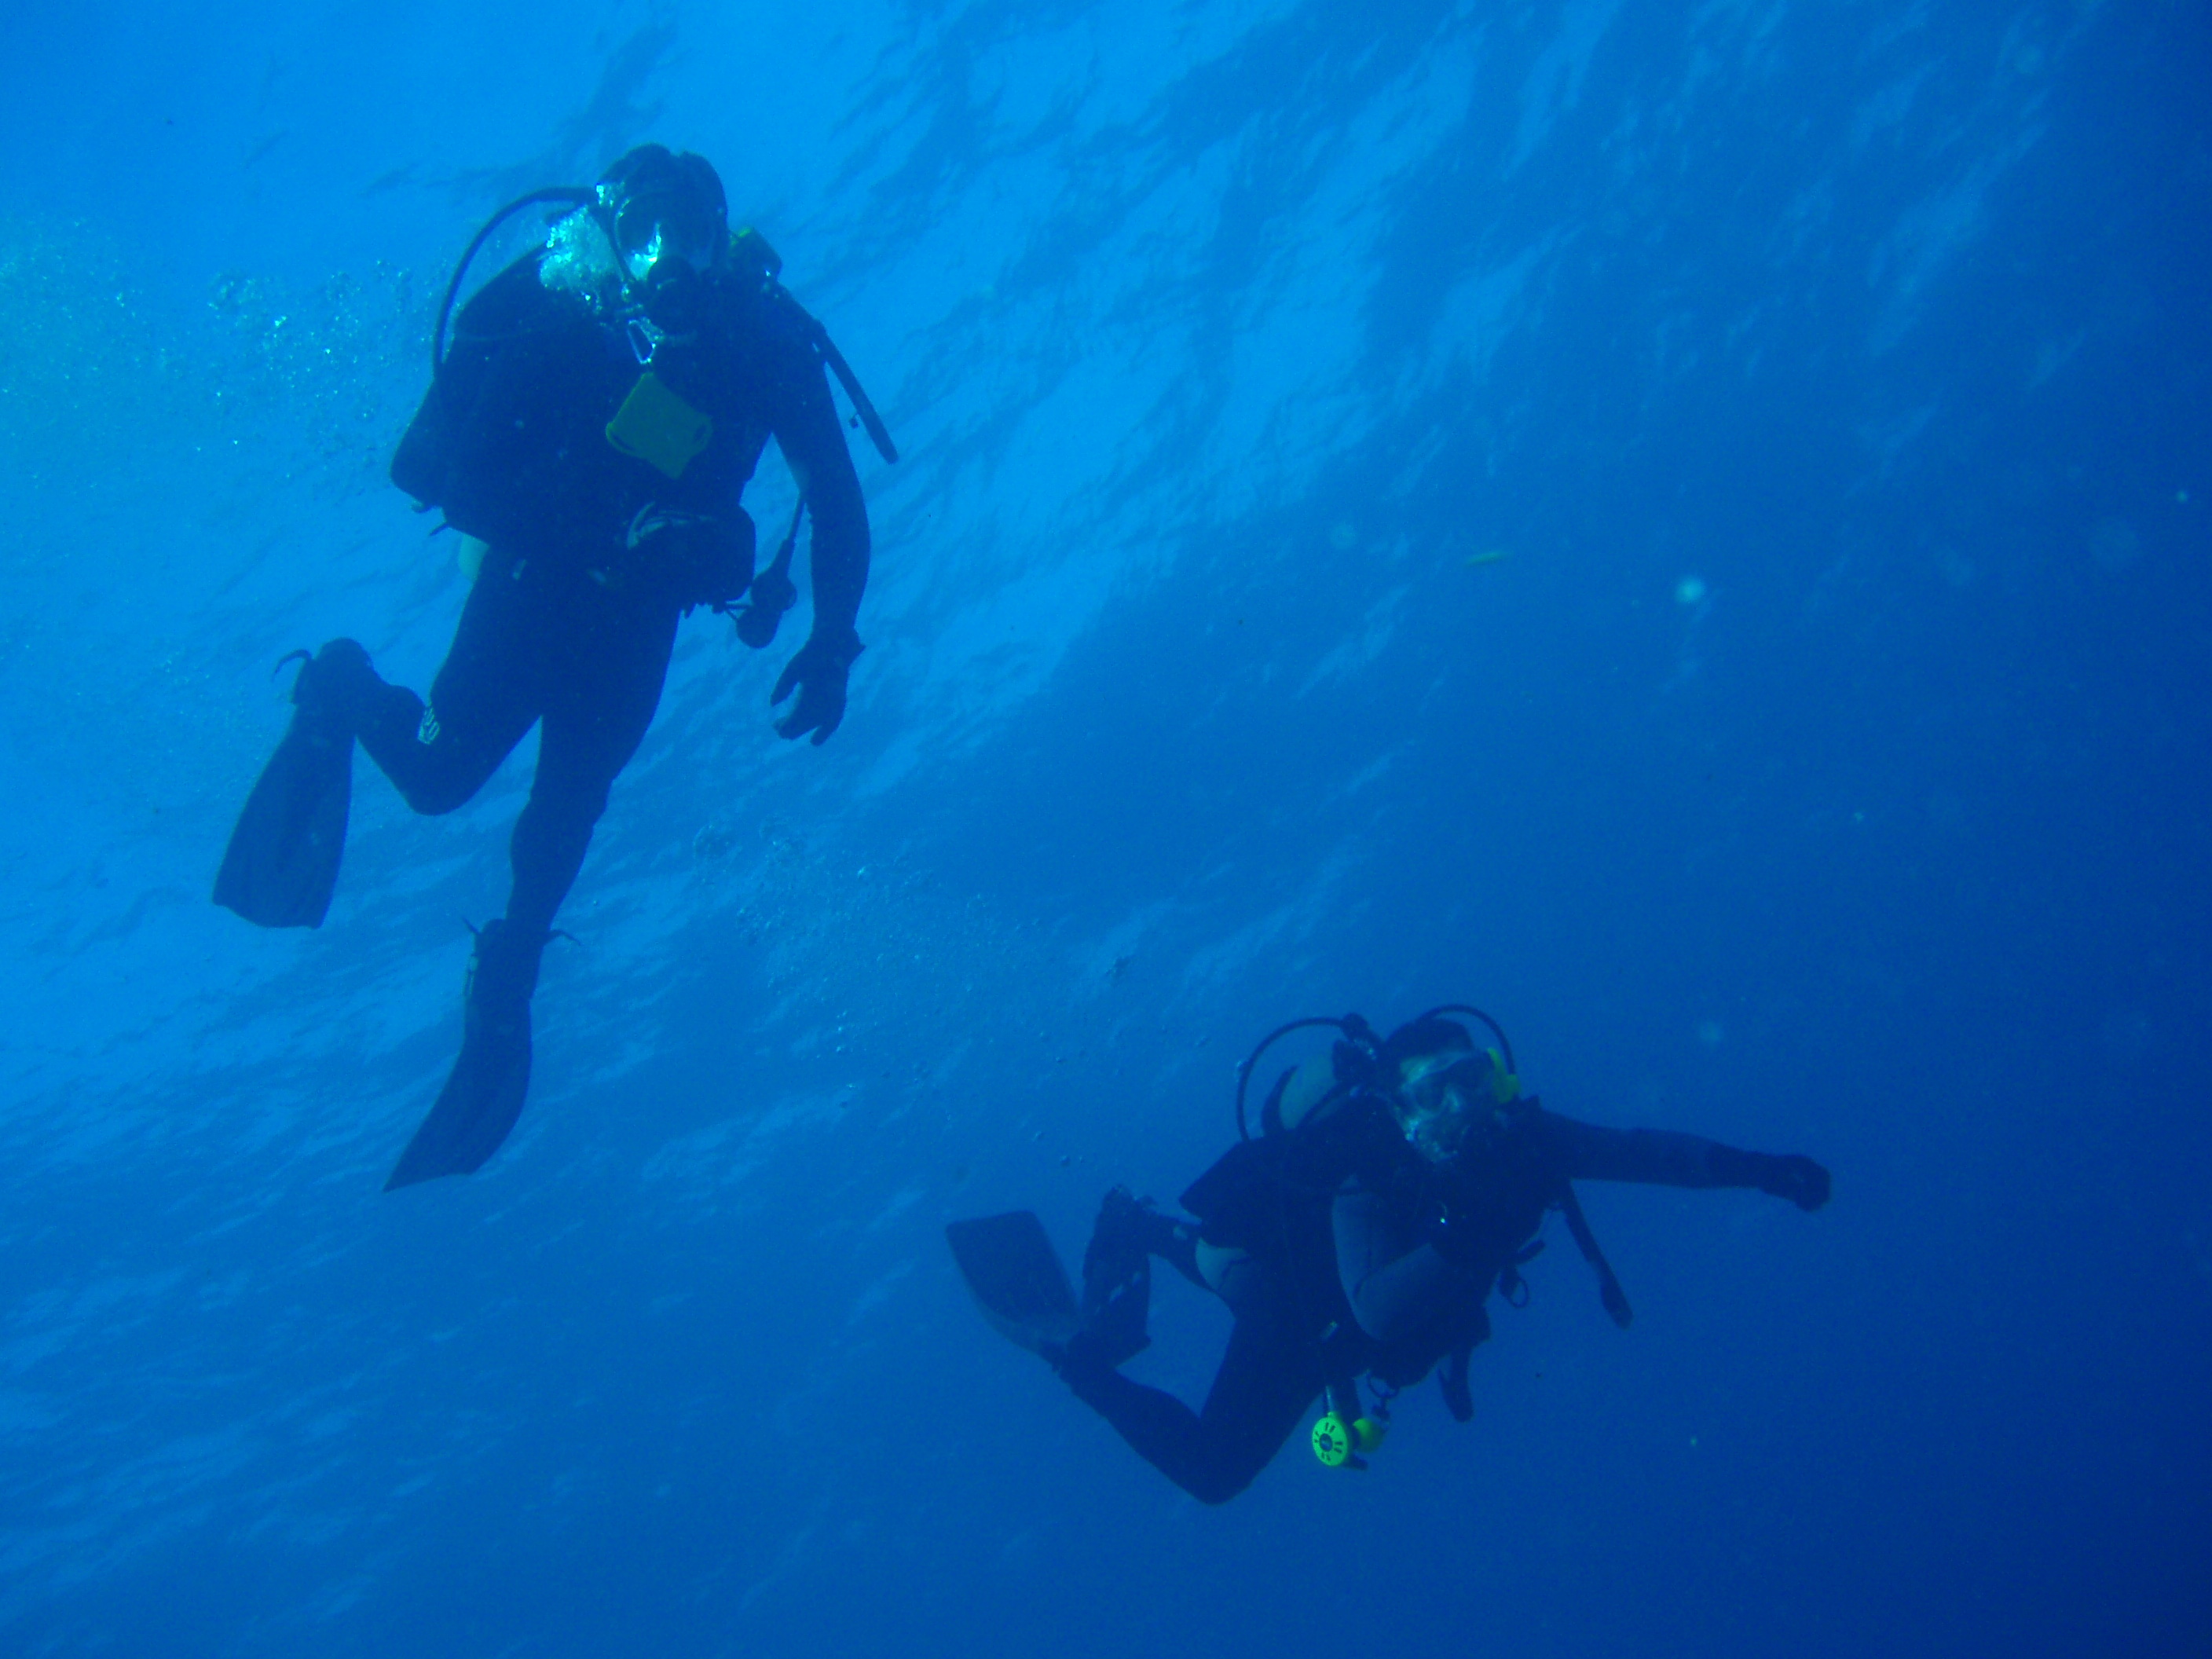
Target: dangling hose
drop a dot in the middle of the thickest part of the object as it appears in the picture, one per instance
(574, 195)
(1351, 1025)
(878, 431)
(772, 593)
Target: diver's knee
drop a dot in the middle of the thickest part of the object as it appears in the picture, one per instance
(1215, 1488)
(435, 796)
(336, 679)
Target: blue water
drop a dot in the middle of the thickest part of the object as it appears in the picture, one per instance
(1823, 766)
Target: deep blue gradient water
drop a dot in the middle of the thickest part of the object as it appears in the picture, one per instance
(1823, 766)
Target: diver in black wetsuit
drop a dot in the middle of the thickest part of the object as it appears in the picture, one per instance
(605, 400)
(1396, 1185)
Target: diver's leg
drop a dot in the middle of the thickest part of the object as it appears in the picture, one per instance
(605, 685)
(1269, 1375)
(602, 665)
(282, 864)
(487, 693)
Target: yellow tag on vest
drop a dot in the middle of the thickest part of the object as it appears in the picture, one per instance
(655, 426)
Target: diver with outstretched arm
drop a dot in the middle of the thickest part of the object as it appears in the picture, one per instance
(590, 435)
(1396, 1185)
(1394, 1264)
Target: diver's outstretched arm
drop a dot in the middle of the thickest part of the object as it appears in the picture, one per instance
(1586, 1151)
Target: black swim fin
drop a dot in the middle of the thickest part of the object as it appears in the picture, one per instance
(1117, 1277)
(482, 1097)
(1017, 1278)
(282, 865)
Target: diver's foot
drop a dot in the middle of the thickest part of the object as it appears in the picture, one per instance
(502, 978)
(329, 686)
(483, 1097)
(1117, 1280)
(1129, 1231)
(281, 866)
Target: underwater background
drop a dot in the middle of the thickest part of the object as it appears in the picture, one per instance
(1684, 526)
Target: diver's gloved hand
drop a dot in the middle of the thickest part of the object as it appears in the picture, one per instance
(1796, 1178)
(818, 672)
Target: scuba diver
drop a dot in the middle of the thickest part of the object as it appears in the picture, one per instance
(590, 434)
(1395, 1183)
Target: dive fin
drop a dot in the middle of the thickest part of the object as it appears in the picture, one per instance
(1017, 1278)
(282, 865)
(482, 1099)
(1117, 1278)
(476, 1111)
(1114, 1319)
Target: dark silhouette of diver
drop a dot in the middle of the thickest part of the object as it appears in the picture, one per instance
(1396, 1184)
(590, 434)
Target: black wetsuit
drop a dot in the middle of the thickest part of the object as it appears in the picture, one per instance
(1353, 1257)
(594, 554)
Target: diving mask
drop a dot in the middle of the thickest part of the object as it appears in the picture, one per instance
(1445, 1099)
(655, 231)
